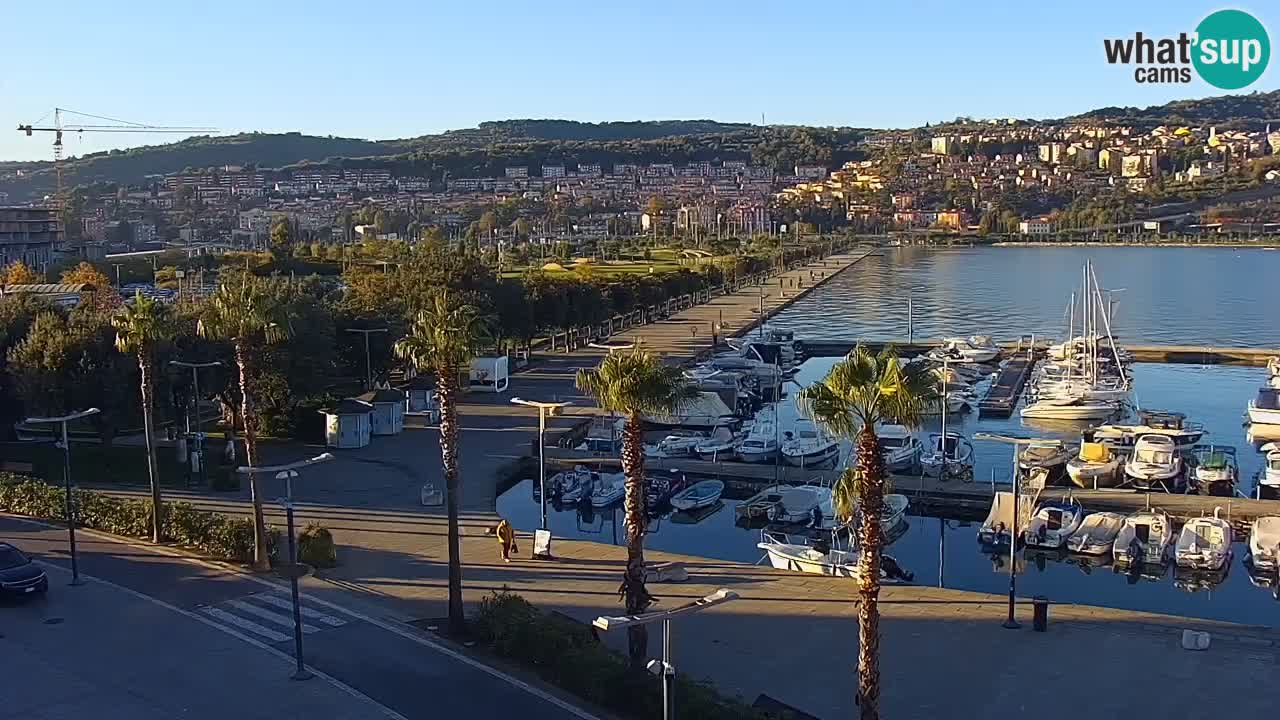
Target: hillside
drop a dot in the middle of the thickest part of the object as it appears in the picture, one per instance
(1253, 110)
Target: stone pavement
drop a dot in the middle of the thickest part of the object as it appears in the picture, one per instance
(96, 651)
(794, 637)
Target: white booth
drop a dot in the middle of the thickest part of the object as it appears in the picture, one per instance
(348, 425)
(388, 411)
(490, 374)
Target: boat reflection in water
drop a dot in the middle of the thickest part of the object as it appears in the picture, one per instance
(1151, 572)
(692, 517)
(1197, 580)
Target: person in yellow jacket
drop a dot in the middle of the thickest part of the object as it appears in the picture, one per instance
(506, 539)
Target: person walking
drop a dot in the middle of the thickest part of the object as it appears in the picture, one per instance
(506, 539)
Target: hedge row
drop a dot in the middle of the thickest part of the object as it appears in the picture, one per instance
(220, 536)
(567, 655)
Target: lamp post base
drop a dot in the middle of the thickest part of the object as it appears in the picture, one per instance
(1010, 625)
(303, 674)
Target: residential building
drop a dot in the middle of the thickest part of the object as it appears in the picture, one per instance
(1035, 226)
(944, 144)
(811, 172)
(29, 235)
(903, 201)
(552, 171)
(517, 172)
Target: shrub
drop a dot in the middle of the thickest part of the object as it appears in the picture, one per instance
(316, 548)
(567, 654)
(225, 537)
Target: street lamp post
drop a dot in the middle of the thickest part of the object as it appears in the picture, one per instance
(288, 473)
(66, 479)
(1011, 622)
(199, 434)
(368, 365)
(664, 667)
(544, 409)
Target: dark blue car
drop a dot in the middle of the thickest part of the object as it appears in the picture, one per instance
(19, 577)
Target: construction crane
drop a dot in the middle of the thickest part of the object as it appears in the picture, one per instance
(119, 126)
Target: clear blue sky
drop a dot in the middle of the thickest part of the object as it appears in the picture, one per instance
(402, 68)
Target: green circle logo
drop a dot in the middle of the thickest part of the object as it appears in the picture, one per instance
(1232, 49)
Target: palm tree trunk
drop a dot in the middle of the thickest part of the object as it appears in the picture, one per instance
(636, 596)
(871, 542)
(157, 510)
(446, 392)
(261, 561)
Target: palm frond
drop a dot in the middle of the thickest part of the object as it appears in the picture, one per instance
(636, 381)
(864, 389)
(444, 335)
(141, 325)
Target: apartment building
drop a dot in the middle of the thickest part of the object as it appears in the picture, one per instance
(29, 235)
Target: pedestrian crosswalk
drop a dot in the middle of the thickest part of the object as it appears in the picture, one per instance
(268, 616)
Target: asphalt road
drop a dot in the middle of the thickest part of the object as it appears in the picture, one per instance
(396, 666)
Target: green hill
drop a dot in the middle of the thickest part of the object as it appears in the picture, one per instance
(1253, 111)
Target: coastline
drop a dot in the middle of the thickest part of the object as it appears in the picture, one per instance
(1272, 245)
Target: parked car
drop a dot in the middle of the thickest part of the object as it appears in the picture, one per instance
(19, 577)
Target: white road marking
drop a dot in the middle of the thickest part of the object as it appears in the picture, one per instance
(244, 624)
(275, 617)
(274, 599)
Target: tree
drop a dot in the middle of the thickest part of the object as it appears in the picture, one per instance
(860, 391)
(244, 313)
(140, 327)
(104, 295)
(635, 384)
(443, 337)
(17, 273)
(281, 240)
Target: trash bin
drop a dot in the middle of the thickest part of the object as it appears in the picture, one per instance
(1040, 613)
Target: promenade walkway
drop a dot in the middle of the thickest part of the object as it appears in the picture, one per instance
(794, 637)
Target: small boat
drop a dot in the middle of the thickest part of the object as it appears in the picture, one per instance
(951, 451)
(757, 506)
(1144, 539)
(699, 495)
(900, 449)
(1052, 524)
(570, 486)
(721, 445)
(1095, 466)
(609, 489)
(761, 443)
(797, 503)
(1265, 408)
(1049, 455)
(976, 349)
(808, 446)
(892, 517)
(821, 558)
(1097, 534)
(1269, 475)
(1273, 366)
(604, 435)
(957, 402)
(1068, 407)
(660, 488)
(677, 444)
(1155, 464)
(1174, 425)
(1216, 471)
(997, 529)
(1204, 543)
(1264, 544)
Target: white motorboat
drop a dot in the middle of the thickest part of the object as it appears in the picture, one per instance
(892, 516)
(824, 559)
(1216, 471)
(1144, 539)
(1155, 464)
(1269, 476)
(951, 451)
(958, 401)
(764, 375)
(572, 485)
(719, 446)
(1265, 408)
(676, 445)
(705, 411)
(900, 449)
(1049, 455)
(761, 443)
(609, 489)
(797, 502)
(1068, 407)
(697, 496)
(604, 435)
(1184, 433)
(1204, 543)
(808, 446)
(976, 349)
(1097, 534)
(1264, 544)
(1095, 466)
(1273, 366)
(1053, 523)
(998, 528)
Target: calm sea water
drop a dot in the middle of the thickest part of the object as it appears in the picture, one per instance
(1164, 296)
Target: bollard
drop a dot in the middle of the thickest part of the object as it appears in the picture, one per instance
(1040, 613)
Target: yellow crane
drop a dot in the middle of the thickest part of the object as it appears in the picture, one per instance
(117, 126)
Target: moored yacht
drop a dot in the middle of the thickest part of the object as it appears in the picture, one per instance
(1265, 408)
(1174, 425)
(1155, 464)
(900, 449)
(1051, 455)
(761, 443)
(1216, 471)
(1144, 539)
(951, 452)
(1095, 466)
(807, 445)
(1053, 523)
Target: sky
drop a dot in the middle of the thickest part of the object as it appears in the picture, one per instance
(400, 68)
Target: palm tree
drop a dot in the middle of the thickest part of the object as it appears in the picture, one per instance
(245, 313)
(442, 339)
(140, 327)
(860, 391)
(635, 384)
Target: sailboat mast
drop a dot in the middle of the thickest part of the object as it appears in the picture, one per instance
(1071, 337)
(946, 368)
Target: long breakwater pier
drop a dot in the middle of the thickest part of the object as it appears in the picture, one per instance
(1180, 354)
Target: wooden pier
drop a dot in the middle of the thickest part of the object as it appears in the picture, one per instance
(1004, 392)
